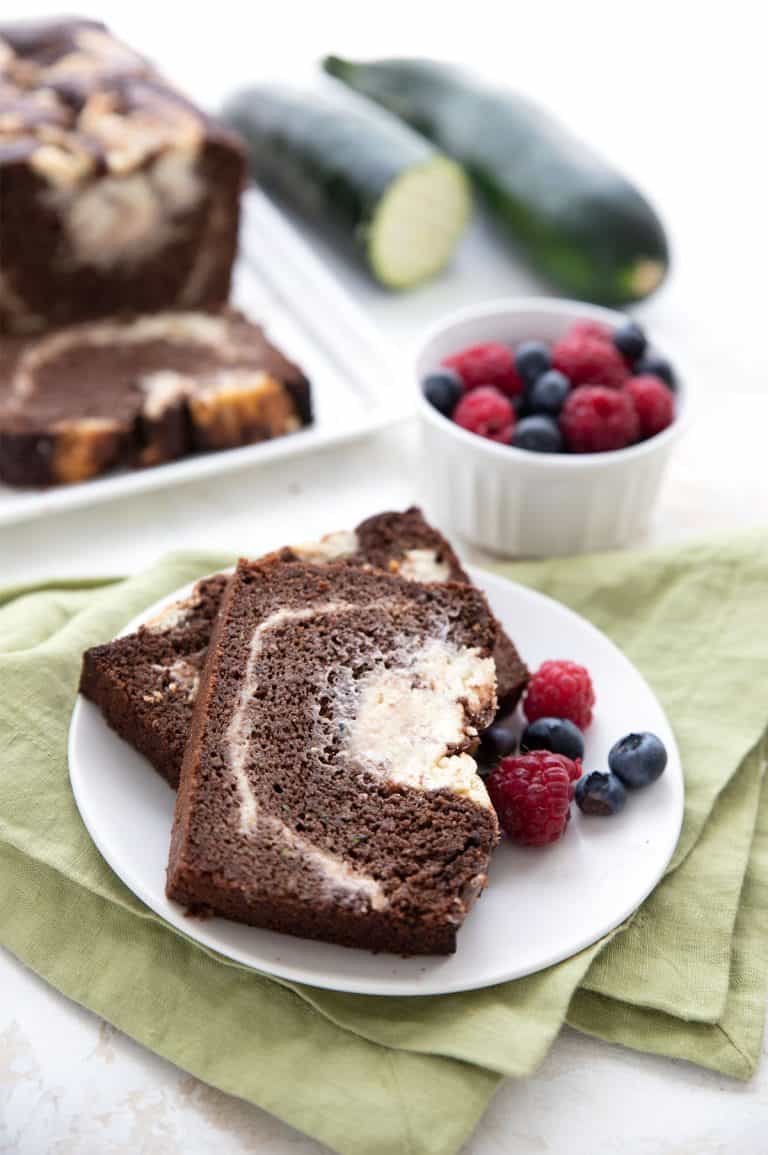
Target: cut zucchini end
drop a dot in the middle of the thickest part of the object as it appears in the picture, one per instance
(339, 67)
(418, 222)
(644, 277)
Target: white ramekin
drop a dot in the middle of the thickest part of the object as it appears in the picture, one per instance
(516, 503)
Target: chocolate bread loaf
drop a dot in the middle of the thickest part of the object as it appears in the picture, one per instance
(116, 193)
(81, 400)
(142, 683)
(327, 790)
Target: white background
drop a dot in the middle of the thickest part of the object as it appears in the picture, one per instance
(676, 95)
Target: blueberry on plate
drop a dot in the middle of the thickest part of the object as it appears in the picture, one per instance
(532, 358)
(538, 433)
(630, 340)
(654, 365)
(638, 759)
(556, 734)
(548, 392)
(442, 389)
(599, 793)
(498, 740)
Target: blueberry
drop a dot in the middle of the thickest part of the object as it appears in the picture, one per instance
(442, 389)
(497, 741)
(630, 340)
(548, 392)
(638, 759)
(600, 794)
(656, 366)
(539, 434)
(532, 358)
(556, 734)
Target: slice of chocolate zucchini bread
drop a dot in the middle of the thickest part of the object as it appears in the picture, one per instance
(79, 401)
(134, 680)
(117, 195)
(146, 683)
(327, 790)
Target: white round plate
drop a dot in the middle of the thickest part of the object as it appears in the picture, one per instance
(541, 905)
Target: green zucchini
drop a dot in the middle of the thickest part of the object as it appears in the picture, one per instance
(579, 222)
(337, 159)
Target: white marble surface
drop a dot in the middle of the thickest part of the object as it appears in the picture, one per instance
(679, 103)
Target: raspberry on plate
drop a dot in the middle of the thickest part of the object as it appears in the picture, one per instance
(532, 793)
(560, 689)
(489, 364)
(487, 412)
(586, 359)
(653, 402)
(595, 419)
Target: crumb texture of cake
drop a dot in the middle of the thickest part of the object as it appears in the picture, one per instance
(399, 532)
(146, 683)
(327, 788)
(81, 400)
(405, 543)
(116, 193)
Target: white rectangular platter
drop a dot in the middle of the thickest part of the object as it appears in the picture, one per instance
(314, 320)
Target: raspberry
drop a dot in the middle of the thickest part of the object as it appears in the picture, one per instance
(595, 419)
(532, 795)
(594, 329)
(486, 412)
(653, 402)
(560, 690)
(490, 364)
(587, 359)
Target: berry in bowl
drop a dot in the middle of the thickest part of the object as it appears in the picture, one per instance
(547, 425)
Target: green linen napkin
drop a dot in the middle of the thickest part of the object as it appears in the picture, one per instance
(686, 977)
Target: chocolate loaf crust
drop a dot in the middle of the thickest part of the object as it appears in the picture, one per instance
(326, 790)
(141, 391)
(130, 684)
(116, 193)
